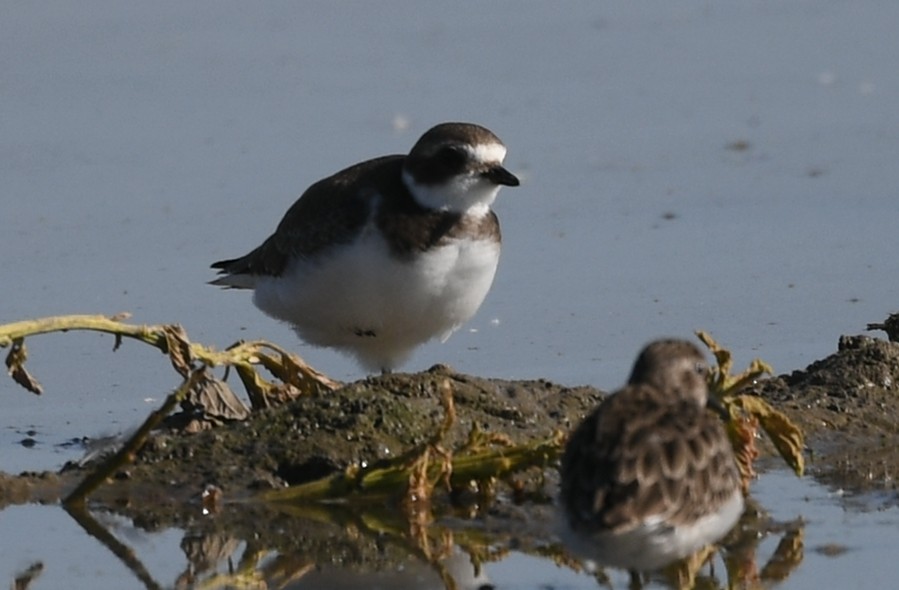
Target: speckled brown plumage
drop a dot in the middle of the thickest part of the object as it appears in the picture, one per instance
(651, 452)
(640, 455)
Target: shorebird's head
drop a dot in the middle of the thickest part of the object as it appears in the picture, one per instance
(676, 367)
(457, 167)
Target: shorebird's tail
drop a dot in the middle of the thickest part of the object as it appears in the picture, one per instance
(235, 274)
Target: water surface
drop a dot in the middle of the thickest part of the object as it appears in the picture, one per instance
(728, 166)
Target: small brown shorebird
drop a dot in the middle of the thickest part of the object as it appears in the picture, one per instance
(650, 477)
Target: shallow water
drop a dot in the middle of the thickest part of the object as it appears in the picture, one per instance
(847, 542)
(728, 166)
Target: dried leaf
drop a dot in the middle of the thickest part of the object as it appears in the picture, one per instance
(722, 357)
(15, 363)
(423, 480)
(742, 431)
(734, 384)
(214, 400)
(292, 369)
(419, 486)
(721, 382)
(178, 347)
(259, 390)
(786, 436)
(279, 394)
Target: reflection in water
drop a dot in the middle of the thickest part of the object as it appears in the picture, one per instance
(23, 580)
(124, 553)
(456, 570)
(343, 547)
(204, 554)
(738, 552)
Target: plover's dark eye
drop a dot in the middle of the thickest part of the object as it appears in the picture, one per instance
(702, 369)
(452, 156)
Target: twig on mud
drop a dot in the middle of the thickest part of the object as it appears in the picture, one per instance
(125, 455)
(387, 478)
(189, 360)
(416, 474)
(421, 482)
(297, 377)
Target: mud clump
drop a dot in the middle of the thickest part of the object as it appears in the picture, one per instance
(848, 405)
(375, 419)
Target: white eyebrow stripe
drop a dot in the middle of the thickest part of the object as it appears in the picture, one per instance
(487, 153)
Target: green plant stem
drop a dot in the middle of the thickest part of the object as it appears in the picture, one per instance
(97, 323)
(390, 479)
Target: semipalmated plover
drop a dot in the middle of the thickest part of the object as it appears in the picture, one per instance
(650, 477)
(388, 253)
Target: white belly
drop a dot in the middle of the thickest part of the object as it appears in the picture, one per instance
(362, 300)
(651, 546)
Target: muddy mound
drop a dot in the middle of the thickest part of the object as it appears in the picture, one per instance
(365, 422)
(848, 404)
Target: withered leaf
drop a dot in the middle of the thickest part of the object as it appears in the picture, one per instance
(215, 400)
(786, 436)
(178, 347)
(293, 370)
(257, 388)
(742, 432)
(15, 364)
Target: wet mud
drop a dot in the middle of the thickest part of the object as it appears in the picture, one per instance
(848, 406)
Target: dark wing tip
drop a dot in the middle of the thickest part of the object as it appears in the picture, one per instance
(233, 274)
(222, 265)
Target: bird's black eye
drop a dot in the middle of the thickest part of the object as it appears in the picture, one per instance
(702, 369)
(452, 156)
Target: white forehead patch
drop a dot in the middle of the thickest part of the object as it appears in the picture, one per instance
(487, 153)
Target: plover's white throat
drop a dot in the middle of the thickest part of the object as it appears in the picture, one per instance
(388, 253)
(650, 477)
